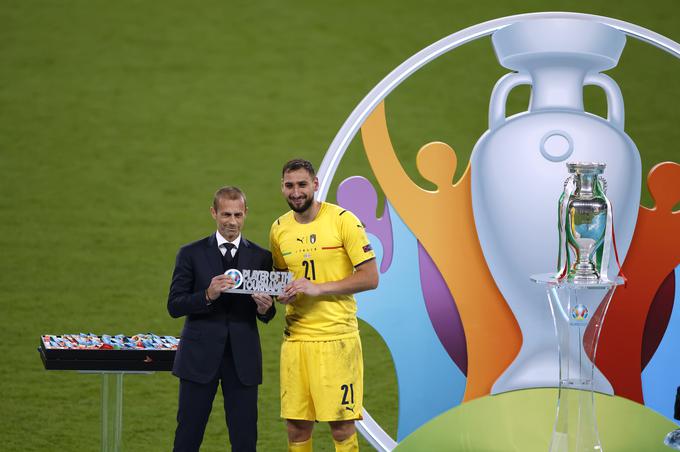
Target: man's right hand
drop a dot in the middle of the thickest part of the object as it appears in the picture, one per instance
(219, 284)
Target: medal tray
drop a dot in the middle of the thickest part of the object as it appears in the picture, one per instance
(106, 359)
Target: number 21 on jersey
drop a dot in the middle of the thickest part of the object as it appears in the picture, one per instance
(310, 269)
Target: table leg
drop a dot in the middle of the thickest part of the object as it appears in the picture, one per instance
(112, 411)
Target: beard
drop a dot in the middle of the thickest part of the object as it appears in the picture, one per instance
(305, 205)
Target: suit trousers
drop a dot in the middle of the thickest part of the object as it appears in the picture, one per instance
(195, 404)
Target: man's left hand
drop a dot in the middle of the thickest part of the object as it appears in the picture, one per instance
(303, 286)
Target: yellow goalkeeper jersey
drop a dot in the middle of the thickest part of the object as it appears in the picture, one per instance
(326, 249)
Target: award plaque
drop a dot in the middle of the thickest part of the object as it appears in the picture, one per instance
(258, 281)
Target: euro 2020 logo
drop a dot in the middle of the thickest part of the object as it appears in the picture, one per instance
(455, 261)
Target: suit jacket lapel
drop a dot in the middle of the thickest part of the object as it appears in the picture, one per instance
(213, 255)
(245, 256)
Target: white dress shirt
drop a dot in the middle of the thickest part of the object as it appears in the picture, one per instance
(221, 241)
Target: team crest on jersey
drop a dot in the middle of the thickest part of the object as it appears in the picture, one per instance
(312, 238)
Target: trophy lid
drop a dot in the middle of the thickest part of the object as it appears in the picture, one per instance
(531, 43)
(586, 167)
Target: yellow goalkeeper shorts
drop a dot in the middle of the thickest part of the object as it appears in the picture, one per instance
(322, 381)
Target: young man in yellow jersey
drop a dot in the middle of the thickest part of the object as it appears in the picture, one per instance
(321, 362)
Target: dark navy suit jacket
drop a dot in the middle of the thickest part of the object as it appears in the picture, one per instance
(207, 327)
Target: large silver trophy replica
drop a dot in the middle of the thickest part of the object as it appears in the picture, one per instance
(585, 225)
(580, 286)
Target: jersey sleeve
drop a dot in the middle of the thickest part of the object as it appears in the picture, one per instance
(354, 238)
(275, 248)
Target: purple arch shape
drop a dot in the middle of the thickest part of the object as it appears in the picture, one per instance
(358, 195)
(442, 310)
(657, 318)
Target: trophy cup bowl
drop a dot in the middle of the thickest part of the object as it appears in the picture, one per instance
(586, 221)
(586, 234)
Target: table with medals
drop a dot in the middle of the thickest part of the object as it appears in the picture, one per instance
(112, 357)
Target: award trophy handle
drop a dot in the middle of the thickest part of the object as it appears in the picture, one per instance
(615, 108)
(499, 96)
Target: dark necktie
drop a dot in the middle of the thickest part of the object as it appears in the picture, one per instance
(227, 258)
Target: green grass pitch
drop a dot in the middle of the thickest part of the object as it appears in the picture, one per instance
(118, 120)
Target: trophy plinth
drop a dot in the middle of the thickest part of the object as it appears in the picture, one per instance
(573, 305)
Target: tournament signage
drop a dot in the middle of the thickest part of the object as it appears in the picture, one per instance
(252, 281)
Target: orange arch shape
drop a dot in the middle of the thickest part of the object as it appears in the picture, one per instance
(443, 222)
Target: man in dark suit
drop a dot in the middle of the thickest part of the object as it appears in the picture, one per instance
(220, 341)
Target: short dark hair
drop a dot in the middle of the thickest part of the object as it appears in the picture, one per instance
(296, 164)
(229, 192)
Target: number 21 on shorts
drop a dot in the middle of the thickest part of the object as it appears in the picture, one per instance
(347, 394)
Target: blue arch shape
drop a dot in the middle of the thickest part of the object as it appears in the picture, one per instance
(429, 382)
(661, 377)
